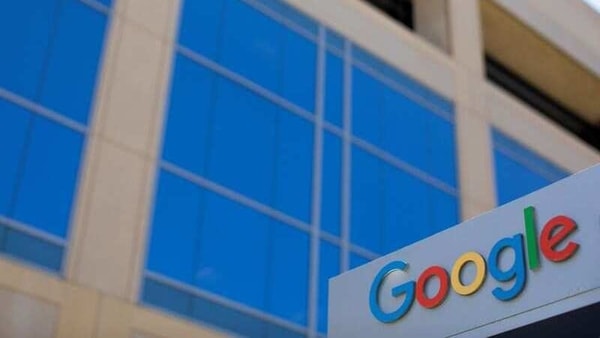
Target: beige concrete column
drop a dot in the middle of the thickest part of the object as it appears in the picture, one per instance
(109, 231)
(431, 22)
(475, 157)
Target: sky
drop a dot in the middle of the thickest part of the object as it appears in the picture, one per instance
(595, 4)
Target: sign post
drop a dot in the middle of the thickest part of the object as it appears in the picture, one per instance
(528, 260)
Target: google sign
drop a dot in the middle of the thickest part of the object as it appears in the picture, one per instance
(552, 242)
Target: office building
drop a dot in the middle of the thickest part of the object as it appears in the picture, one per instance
(195, 168)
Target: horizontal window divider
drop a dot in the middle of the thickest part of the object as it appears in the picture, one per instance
(239, 79)
(505, 150)
(269, 12)
(392, 160)
(42, 111)
(332, 128)
(363, 252)
(31, 231)
(404, 91)
(100, 7)
(332, 239)
(197, 292)
(235, 196)
(336, 51)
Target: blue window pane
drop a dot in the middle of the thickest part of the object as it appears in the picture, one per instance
(13, 127)
(244, 145)
(329, 266)
(331, 184)
(444, 210)
(404, 129)
(520, 171)
(253, 46)
(54, 152)
(367, 200)
(357, 260)
(228, 319)
(200, 26)
(33, 250)
(294, 166)
(334, 90)
(167, 297)
(514, 180)
(189, 117)
(288, 274)
(367, 106)
(269, 54)
(402, 80)
(302, 21)
(527, 157)
(175, 228)
(70, 80)
(107, 3)
(441, 149)
(335, 41)
(406, 210)
(233, 251)
(299, 70)
(25, 29)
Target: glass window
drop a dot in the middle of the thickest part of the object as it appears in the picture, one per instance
(189, 119)
(198, 18)
(244, 136)
(25, 30)
(403, 128)
(288, 273)
(269, 54)
(329, 267)
(444, 210)
(175, 228)
(73, 60)
(294, 166)
(334, 89)
(367, 200)
(215, 127)
(14, 122)
(335, 41)
(357, 260)
(519, 171)
(331, 184)
(232, 251)
(232, 320)
(32, 249)
(407, 210)
(392, 208)
(47, 187)
(291, 15)
(367, 107)
(167, 297)
(441, 150)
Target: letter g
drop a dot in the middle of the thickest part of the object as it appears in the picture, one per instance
(407, 289)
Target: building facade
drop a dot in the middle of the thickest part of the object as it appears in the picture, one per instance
(187, 168)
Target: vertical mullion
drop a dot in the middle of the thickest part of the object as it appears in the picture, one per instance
(313, 299)
(346, 157)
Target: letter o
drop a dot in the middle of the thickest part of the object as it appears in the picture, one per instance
(442, 275)
(480, 266)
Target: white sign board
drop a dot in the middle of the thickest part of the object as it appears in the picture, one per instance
(530, 259)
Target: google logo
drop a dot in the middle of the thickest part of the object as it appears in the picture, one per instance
(554, 233)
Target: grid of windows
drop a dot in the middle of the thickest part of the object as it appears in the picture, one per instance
(289, 155)
(520, 171)
(47, 79)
